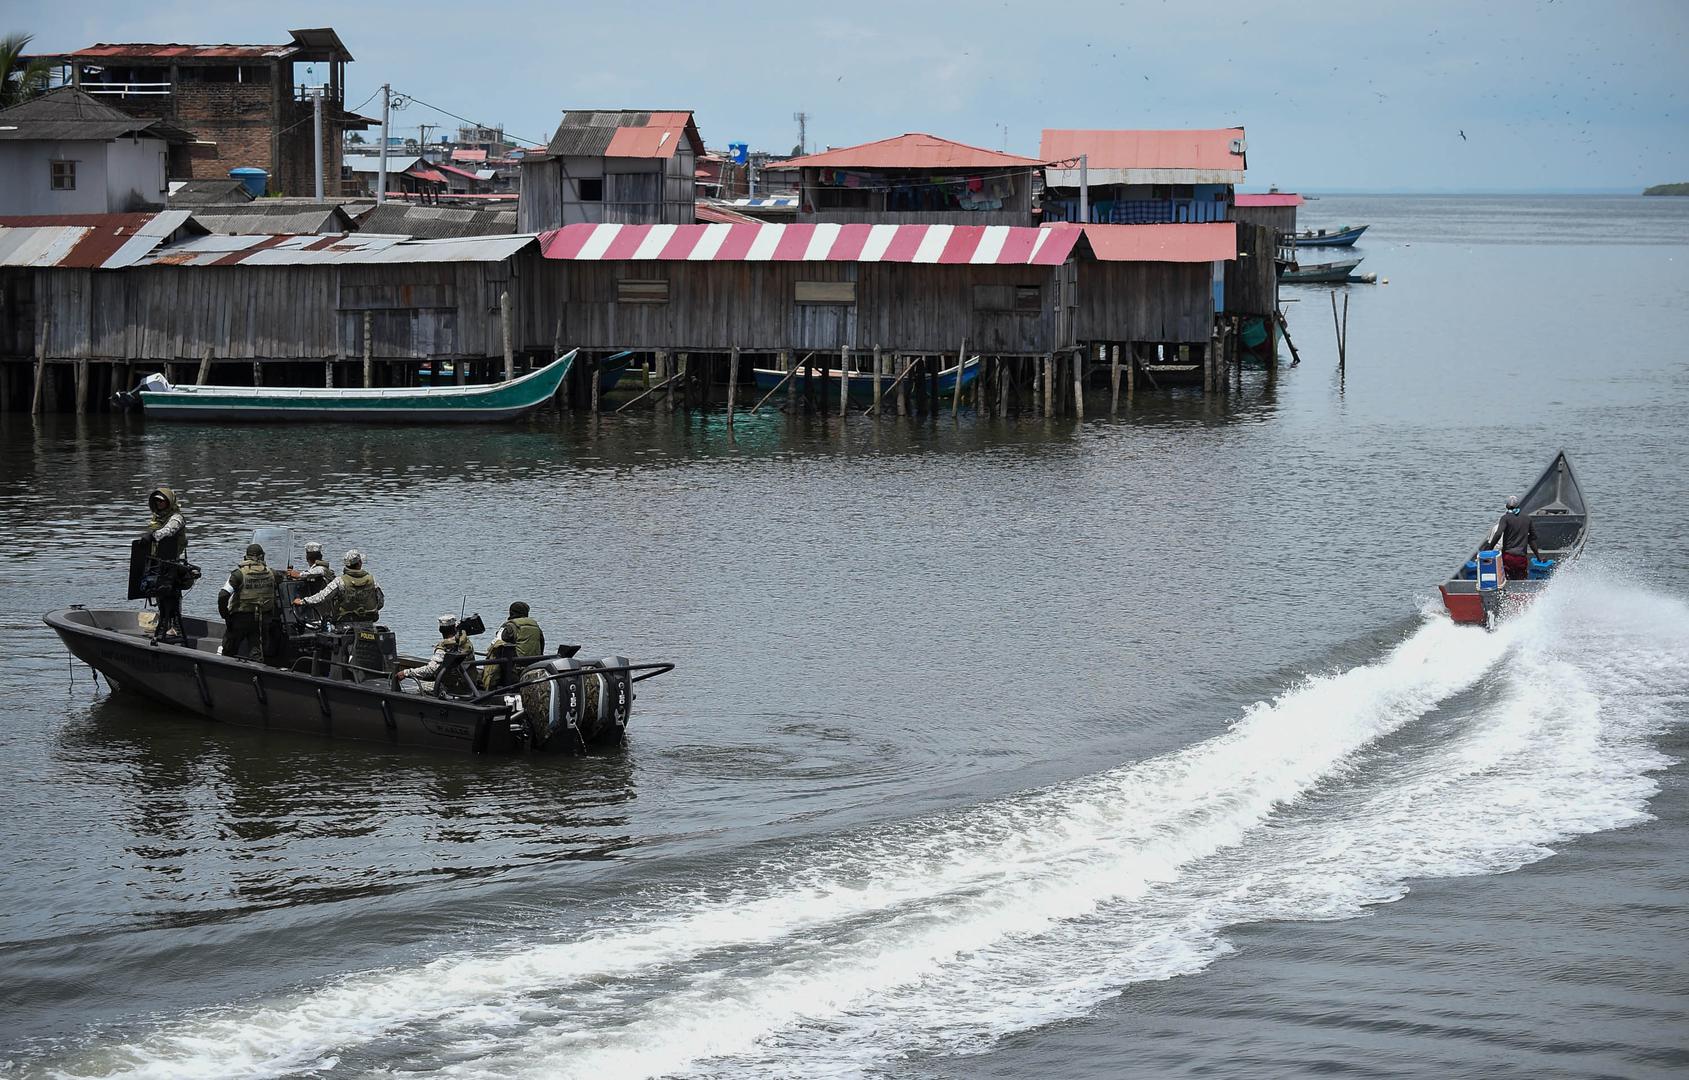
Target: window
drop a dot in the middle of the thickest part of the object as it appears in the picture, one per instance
(64, 176)
(825, 292)
(828, 198)
(592, 188)
(1022, 299)
(642, 291)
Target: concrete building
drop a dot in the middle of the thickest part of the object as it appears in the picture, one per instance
(66, 153)
(249, 105)
(613, 166)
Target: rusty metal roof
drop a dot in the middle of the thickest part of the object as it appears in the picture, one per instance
(316, 43)
(343, 250)
(628, 133)
(88, 241)
(915, 150)
(1146, 157)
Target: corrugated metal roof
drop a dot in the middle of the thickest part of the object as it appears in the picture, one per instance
(266, 217)
(915, 150)
(371, 163)
(173, 51)
(354, 249)
(436, 222)
(87, 241)
(1183, 243)
(1145, 157)
(1268, 198)
(623, 133)
(194, 193)
(472, 156)
(709, 213)
(67, 113)
(1009, 245)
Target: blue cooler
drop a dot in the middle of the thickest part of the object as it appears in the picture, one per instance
(1541, 569)
(1470, 570)
(1489, 570)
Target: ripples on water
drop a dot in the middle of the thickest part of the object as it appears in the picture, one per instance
(979, 735)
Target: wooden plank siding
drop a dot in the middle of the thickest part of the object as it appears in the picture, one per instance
(1252, 280)
(1164, 302)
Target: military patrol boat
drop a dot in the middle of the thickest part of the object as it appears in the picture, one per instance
(339, 681)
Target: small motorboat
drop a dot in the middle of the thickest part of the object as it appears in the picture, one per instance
(1306, 273)
(1343, 236)
(429, 404)
(1480, 591)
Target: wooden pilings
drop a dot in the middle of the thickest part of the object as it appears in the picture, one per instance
(504, 327)
(732, 385)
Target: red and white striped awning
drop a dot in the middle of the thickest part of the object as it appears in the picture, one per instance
(1001, 245)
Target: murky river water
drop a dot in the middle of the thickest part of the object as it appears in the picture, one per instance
(1130, 748)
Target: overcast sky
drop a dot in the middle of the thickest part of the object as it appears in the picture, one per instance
(1551, 94)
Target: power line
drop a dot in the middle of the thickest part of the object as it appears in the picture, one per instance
(409, 98)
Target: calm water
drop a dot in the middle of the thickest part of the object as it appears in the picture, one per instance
(994, 750)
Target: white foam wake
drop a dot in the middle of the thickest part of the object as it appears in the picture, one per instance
(946, 933)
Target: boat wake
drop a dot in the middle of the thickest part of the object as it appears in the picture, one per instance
(1458, 752)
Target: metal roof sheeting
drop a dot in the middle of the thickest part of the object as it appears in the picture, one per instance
(66, 113)
(1269, 198)
(436, 222)
(627, 133)
(1145, 157)
(357, 249)
(916, 150)
(1183, 243)
(87, 241)
(1003, 245)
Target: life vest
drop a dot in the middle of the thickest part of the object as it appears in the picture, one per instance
(257, 594)
(530, 640)
(359, 596)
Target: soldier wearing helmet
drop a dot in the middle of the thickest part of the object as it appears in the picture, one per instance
(317, 573)
(451, 653)
(353, 596)
(247, 602)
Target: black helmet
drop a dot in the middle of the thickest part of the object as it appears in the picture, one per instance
(254, 551)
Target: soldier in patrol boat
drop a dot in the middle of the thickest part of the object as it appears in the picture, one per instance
(317, 573)
(353, 597)
(247, 603)
(451, 652)
(520, 636)
(167, 571)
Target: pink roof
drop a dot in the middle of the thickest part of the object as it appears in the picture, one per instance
(659, 138)
(456, 171)
(1001, 245)
(1182, 243)
(1206, 150)
(912, 151)
(1270, 198)
(427, 174)
(469, 155)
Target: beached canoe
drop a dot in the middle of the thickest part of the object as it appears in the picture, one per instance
(398, 405)
(1480, 591)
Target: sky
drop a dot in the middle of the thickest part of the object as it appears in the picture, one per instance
(1550, 95)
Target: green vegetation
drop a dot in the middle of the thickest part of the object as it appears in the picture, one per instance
(1668, 189)
(19, 81)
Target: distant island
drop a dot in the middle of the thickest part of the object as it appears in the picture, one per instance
(1668, 189)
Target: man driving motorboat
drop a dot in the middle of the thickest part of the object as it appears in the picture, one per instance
(1514, 534)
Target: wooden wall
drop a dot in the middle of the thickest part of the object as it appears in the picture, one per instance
(1282, 218)
(1165, 302)
(1252, 280)
(714, 306)
(418, 310)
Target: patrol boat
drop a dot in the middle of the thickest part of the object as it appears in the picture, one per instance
(338, 682)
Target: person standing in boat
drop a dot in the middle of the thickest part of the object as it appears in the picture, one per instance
(167, 572)
(520, 636)
(1514, 535)
(353, 596)
(247, 603)
(451, 653)
(317, 573)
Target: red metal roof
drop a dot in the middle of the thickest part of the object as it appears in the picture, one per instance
(1269, 198)
(87, 240)
(469, 155)
(148, 51)
(1206, 242)
(1001, 245)
(913, 151)
(430, 175)
(1209, 150)
(659, 138)
(454, 169)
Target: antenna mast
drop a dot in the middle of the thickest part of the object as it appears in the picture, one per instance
(803, 131)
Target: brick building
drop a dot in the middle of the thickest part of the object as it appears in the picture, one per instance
(247, 104)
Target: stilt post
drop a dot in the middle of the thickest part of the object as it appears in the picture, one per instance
(369, 349)
(504, 327)
(1114, 383)
(1079, 384)
(844, 381)
(732, 384)
(204, 377)
(879, 369)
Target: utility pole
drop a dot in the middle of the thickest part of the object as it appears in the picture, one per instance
(386, 113)
(317, 129)
(1084, 190)
(803, 131)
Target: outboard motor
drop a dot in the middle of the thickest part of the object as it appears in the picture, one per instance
(615, 699)
(556, 707)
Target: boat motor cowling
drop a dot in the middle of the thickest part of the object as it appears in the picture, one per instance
(615, 699)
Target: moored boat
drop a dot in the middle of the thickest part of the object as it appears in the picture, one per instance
(862, 382)
(1343, 236)
(1480, 591)
(430, 404)
(1306, 273)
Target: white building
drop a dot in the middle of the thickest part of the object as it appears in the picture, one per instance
(65, 153)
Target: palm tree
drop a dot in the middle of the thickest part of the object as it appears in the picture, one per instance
(20, 79)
